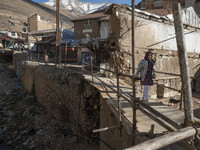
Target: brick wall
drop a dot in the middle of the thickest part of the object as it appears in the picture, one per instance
(150, 4)
(78, 29)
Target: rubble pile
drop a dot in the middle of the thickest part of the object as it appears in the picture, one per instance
(26, 124)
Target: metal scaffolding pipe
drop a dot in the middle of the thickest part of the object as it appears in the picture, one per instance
(165, 140)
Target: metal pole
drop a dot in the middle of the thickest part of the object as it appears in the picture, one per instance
(38, 52)
(57, 28)
(91, 62)
(165, 140)
(186, 85)
(60, 53)
(65, 55)
(133, 71)
(43, 53)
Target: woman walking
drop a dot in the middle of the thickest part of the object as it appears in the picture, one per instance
(146, 70)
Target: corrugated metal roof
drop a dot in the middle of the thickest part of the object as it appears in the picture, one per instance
(91, 16)
(42, 32)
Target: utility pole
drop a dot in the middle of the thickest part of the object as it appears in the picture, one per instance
(57, 30)
(133, 71)
(185, 78)
(60, 46)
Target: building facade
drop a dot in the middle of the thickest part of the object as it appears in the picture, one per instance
(94, 25)
(36, 23)
(91, 29)
(166, 4)
(158, 4)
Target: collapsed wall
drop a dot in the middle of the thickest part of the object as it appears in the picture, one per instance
(157, 34)
(63, 93)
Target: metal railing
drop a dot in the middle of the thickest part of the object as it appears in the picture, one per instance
(145, 108)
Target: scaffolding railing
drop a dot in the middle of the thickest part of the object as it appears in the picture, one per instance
(145, 108)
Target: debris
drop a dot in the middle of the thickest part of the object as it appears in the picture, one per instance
(26, 124)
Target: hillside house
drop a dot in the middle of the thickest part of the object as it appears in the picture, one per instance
(92, 27)
(159, 4)
(45, 45)
(36, 23)
(167, 4)
(11, 34)
(11, 40)
(155, 33)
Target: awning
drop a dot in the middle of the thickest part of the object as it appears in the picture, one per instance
(2, 37)
(19, 41)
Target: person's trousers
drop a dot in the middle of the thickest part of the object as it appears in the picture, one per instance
(146, 93)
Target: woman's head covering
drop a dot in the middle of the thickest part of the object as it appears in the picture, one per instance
(147, 53)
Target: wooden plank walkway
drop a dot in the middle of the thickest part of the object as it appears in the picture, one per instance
(143, 122)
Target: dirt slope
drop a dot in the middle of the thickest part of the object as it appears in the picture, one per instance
(19, 10)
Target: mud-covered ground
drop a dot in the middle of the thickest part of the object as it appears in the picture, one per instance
(25, 124)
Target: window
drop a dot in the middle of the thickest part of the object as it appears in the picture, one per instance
(87, 26)
(142, 5)
(158, 3)
(13, 33)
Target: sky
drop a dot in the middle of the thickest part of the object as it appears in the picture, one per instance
(99, 1)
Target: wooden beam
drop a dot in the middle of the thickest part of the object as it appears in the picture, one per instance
(182, 54)
(104, 129)
(158, 114)
(160, 122)
(165, 140)
(133, 72)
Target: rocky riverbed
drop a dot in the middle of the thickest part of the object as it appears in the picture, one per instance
(25, 124)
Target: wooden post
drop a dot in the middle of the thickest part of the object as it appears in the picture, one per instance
(57, 29)
(186, 85)
(38, 52)
(66, 54)
(165, 140)
(118, 94)
(133, 71)
(60, 47)
(43, 52)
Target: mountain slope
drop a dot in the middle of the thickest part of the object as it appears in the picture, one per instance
(78, 6)
(18, 11)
